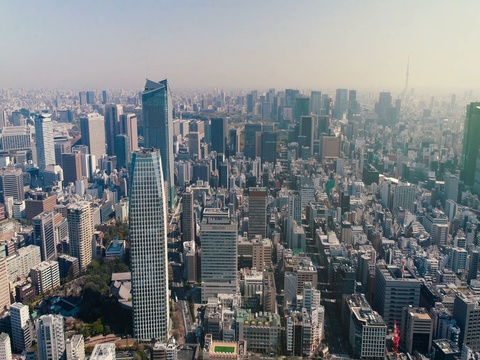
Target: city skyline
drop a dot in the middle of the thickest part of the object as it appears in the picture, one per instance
(348, 44)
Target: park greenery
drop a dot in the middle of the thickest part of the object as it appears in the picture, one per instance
(99, 310)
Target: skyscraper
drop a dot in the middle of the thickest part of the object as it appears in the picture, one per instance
(44, 235)
(315, 102)
(148, 246)
(50, 337)
(269, 147)
(471, 143)
(341, 103)
(82, 95)
(72, 167)
(44, 140)
(80, 231)
(93, 134)
(301, 107)
(188, 220)
(128, 126)
(249, 149)
(307, 130)
(122, 150)
(218, 134)
(257, 212)
(158, 127)
(112, 125)
(219, 253)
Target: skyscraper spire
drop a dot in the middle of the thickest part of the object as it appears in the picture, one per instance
(406, 77)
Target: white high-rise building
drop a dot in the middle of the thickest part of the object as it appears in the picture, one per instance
(21, 329)
(75, 348)
(44, 140)
(92, 127)
(219, 253)
(50, 337)
(80, 231)
(5, 347)
(148, 246)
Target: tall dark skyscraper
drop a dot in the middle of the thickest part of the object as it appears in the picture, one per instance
(218, 134)
(158, 127)
(104, 97)
(315, 102)
(233, 142)
(301, 108)
(148, 246)
(112, 125)
(122, 150)
(383, 105)
(249, 149)
(471, 143)
(307, 129)
(269, 147)
(90, 97)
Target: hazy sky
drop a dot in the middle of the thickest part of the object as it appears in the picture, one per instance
(240, 44)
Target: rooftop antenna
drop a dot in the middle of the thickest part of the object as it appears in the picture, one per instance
(406, 77)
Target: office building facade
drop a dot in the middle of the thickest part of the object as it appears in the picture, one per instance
(44, 140)
(471, 143)
(148, 246)
(93, 134)
(158, 128)
(80, 231)
(219, 253)
(50, 337)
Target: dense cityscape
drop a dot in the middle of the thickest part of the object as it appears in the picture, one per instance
(239, 224)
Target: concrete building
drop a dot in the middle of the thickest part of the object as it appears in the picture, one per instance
(5, 347)
(11, 183)
(466, 312)
(366, 328)
(50, 337)
(330, 147)
(257, 212)
(261, 331)
(148, 246)
(20, 263)
(104, 351)
(4, 285)
(21, 327)
(80, 230)
(261, 253)
(219, 253)
(75, 348)
(395, 288)
(45, 276)
(416, 330)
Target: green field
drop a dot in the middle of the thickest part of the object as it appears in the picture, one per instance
(224, 349)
